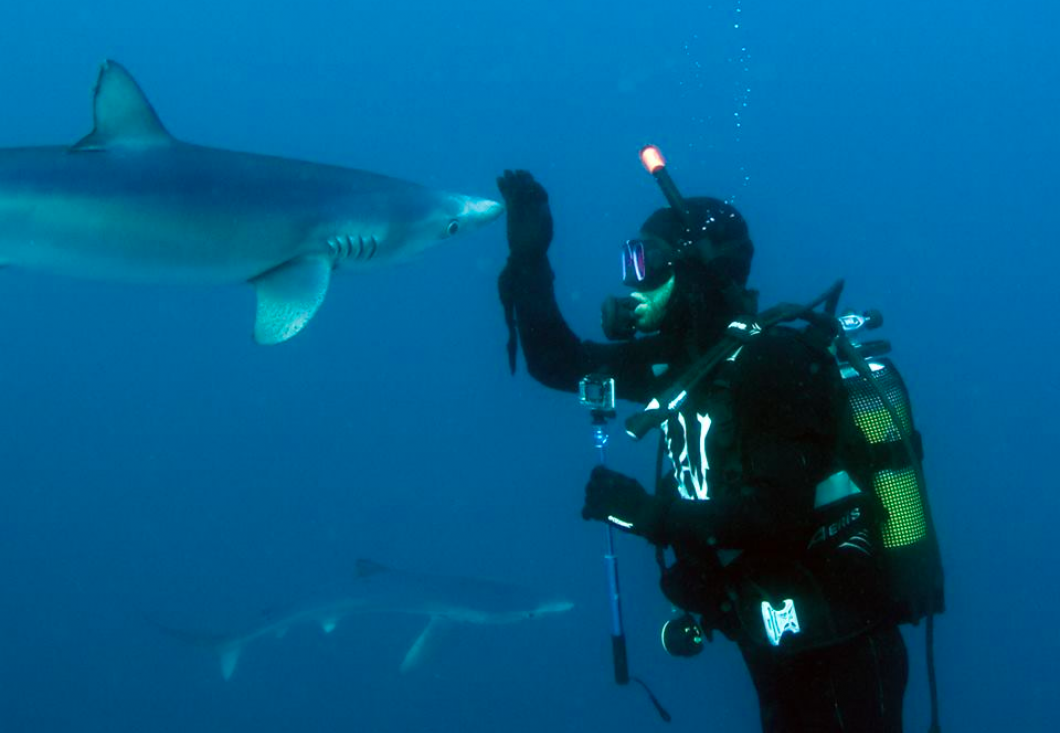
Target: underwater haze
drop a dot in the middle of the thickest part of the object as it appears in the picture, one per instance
(158, 466)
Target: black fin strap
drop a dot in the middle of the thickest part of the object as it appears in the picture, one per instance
(505, 287)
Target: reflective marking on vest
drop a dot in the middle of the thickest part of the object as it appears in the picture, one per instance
(677, 401)
(751, 329)
(692, 481)
(836, 487)
(777, 622)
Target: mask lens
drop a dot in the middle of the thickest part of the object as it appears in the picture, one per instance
(640, 260)
(634, 263)
(646, 264)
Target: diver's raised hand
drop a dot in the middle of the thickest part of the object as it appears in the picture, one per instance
(529, 218)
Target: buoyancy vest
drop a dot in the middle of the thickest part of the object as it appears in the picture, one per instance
(872, 555)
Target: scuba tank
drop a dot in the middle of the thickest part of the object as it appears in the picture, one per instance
(891, 466)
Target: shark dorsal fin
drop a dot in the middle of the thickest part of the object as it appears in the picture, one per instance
(123, 117)
(369, 567)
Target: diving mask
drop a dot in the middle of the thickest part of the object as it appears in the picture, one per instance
(646, 263)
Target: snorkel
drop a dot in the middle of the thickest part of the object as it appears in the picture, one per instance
(652, 160)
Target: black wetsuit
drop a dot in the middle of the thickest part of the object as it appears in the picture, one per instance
(747, 523)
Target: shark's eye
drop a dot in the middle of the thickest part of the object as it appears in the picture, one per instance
(452, 228)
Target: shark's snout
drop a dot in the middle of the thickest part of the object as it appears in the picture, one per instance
(483, 211)
(468, 214)
(493, 210)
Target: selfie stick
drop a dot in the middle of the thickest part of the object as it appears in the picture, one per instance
(614, 597)
(598, 394)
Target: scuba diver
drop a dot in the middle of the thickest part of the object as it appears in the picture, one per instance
(774, 545)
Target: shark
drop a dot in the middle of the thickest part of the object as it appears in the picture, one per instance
(378, 589)
(129, 202)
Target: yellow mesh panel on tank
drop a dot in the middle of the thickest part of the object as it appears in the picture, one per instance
(897, 397)
(897, 489)
(875, 422)
(900, 495)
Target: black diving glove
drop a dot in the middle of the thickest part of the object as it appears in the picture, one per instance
(529, 218)
(614, 497)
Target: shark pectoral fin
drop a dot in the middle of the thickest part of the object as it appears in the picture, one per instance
(123, 116)
(288, 296)
(229, 660)
(426, 643)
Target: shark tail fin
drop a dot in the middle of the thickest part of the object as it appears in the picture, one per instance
(228, 647)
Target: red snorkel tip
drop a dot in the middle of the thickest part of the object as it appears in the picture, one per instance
(655, 164)
(652, 159)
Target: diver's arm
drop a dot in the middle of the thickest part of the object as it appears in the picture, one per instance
(555, 356)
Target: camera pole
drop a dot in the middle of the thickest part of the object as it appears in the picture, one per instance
(614, 596)
(598, 394)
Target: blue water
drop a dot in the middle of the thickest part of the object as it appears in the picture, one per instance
(156, 462)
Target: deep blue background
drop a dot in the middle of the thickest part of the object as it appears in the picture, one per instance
(156, 462)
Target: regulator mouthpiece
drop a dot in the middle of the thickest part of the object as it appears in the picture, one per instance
(618, 318)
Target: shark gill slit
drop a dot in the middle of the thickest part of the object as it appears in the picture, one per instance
(341, 247)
